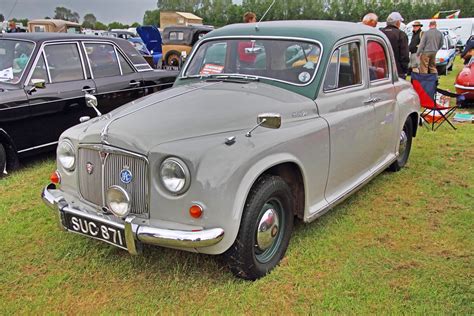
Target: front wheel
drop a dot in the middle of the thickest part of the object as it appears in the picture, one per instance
(3, 161)
(406, 136)
(265, 229)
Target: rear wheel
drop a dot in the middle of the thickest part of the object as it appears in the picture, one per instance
(172, 59)
(265, 229)
(406, 136)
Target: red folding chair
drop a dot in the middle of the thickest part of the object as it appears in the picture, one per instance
(433, 113)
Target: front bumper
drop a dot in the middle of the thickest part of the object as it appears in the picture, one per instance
(135, 233)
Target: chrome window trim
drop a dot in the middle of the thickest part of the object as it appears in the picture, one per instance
(257, 37)
(118, 61)
(379, 40)
(351, 87)
(37, 147)
(35, 63)
(29, 61)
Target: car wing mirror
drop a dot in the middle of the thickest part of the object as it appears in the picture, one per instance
(267, 120)
(91, 101)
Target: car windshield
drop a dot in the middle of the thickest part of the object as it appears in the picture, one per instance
(294, 62)
(14, 56)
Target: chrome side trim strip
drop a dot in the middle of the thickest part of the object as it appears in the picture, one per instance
(37, 147)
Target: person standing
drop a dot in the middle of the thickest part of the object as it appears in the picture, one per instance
(13, 28)
(370, 19)
(399, 42)
(431, 42)
(414, 43)
(250, 17)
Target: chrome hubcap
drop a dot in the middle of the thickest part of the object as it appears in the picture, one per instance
(403, 143)
(268, 229)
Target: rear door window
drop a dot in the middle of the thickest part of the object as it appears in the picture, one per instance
(64, 62)
(377, 61)
(102, 59)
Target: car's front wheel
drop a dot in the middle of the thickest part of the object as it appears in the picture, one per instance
(265, 229)
(3, 161)
(406, 136)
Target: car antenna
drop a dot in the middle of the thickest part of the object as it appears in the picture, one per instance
(263, 16)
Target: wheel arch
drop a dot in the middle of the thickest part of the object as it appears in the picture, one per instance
(288, 167)
(415, 120)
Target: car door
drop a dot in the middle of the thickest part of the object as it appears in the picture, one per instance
(61, 103)
(344, 102)
(115, 79)
(382, 93)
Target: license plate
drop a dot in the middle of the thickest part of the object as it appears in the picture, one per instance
(96, 229)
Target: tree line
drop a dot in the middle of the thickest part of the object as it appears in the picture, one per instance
(222, 12)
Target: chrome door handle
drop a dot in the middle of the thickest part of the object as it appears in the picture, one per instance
(369, 101)
(88, 90)
(134, 83)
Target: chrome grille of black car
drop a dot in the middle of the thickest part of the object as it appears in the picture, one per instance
(107, 165)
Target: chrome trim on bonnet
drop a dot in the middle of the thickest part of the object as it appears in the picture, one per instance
(134, 233)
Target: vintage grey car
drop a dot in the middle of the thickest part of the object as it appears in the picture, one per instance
(265, 123)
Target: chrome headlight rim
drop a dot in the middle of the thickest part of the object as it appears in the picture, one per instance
(67, 144)
(184, 169)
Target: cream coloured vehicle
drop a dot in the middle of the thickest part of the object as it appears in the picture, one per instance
(265, 124)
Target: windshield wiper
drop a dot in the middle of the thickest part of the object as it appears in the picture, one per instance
(233, 78)
(193, 77)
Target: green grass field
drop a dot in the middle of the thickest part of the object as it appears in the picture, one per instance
(402, 244)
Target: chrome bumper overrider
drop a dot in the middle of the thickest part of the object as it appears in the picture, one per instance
(134, 232)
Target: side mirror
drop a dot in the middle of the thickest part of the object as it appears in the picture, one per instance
(269, 120)
(38, 83)
(91, 101)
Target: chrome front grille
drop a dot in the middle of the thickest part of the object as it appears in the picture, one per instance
(107, 165)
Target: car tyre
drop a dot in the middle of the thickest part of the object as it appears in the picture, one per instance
(172, 59)
(3, 161)
(265, 229)
(406, 136)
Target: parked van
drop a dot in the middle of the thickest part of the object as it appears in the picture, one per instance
(464, 27)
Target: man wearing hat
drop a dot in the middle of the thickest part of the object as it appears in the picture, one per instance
(399, 42)
(430, 43)
(413, 47)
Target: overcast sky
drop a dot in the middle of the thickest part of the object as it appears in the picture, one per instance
(106, 11)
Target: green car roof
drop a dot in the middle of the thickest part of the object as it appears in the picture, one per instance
(327, 32)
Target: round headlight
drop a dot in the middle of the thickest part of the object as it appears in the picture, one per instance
(118, 201)
(174, 175)
(66, 155)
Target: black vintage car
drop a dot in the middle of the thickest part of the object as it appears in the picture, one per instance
(44, 78)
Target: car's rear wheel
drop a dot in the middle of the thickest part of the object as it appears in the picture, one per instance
(406, 136)
(265, 229)
(172, 59)
(3, 161)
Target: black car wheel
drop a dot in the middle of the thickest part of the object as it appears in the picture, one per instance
(172, 59)
(406, 136)
(3, 160)
(265, 229)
